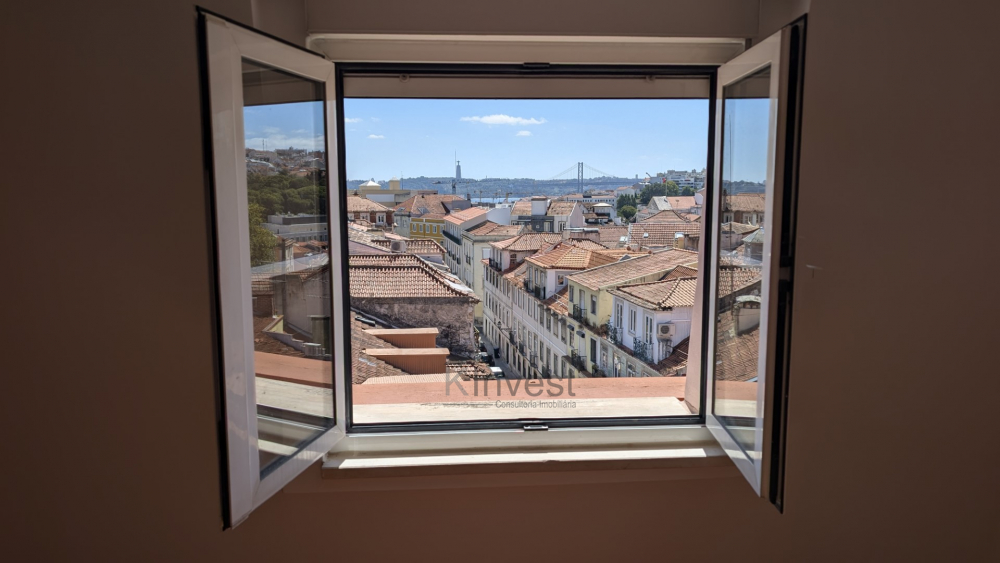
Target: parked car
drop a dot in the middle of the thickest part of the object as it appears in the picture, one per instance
(497, 373)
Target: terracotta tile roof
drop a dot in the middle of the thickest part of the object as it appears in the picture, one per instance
(661, 234)
(389, 276)
(743, 202)
(611, 236)
(528, 241)
(415, 246)
(567, 256)
(681, 201)
(558, 301)
(521, 207)
(676, 361)
(362, 204)
(690, 216)
(461, 216)
(495, 229)
(561, 208)
(739, 228)
(735, 278)
(665, 216)
(735, 356)
(681, 272)
(660, 295)
(586, 243)
(628, 270)
(433, 203)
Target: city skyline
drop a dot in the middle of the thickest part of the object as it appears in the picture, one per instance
(538, 139)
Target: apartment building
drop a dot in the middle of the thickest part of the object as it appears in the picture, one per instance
(590, 301)
(543, 215)
(364, 209)
(422, 216)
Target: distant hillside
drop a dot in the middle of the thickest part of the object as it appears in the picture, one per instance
(493, 187)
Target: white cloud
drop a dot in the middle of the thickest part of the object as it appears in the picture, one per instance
(376, 136)
(271, 130)
(503, 119)
(352, 120)
(523, 134)
(376, 119)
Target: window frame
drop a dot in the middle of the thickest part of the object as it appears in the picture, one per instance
(345, 436)
(224, 45)
(411, 70)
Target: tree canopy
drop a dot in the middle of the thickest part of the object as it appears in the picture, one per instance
(282, 193)
(627, 212)
(261, 240)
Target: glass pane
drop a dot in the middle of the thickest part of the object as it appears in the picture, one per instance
(487, 293)
(745, 125)
(289, 255)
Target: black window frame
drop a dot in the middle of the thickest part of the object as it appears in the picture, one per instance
(707, 72)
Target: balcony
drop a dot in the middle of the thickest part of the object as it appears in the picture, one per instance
(578, 361)
(546, 372)
(527, 286)
(577, 314)
(539, 292)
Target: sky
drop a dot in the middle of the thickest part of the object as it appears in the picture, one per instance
(507, 138)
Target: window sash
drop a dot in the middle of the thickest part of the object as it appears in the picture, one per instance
(227, 45)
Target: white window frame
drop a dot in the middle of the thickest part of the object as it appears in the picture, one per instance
(247, 490)
(227, 45)
(756, 465)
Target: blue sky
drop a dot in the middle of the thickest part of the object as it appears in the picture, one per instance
(503, 138)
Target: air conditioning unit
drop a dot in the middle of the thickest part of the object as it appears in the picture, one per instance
(665, 330)
(397, 246)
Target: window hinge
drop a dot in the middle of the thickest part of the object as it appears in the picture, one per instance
(530, 427)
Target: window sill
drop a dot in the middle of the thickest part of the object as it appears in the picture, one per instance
(344, 471)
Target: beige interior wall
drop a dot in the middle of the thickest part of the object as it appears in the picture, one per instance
(107, 400)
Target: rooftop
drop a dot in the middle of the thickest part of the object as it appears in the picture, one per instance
(569, 256)
(633, 268)
(463, 215)
(744, 202)
(414, 246)
(660, 295)
(422, 204)
(528, 241)
(490, 228)
(661, 234)
(358, 204)
(387, 276)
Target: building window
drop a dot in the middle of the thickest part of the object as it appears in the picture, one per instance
(631, 321)
(313, 336)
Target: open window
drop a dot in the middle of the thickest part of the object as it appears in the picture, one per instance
(321, 276)
(279, 357)
(752, 262)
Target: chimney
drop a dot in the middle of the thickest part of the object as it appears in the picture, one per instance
(539, 205)
(747, 313)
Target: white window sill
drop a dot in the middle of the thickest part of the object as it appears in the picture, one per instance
(682, 456)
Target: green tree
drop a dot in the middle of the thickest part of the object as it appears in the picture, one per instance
(261, 239)
(651, 191)
(687, 190)
(627, 212)
(671, 188)
(623, 200)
